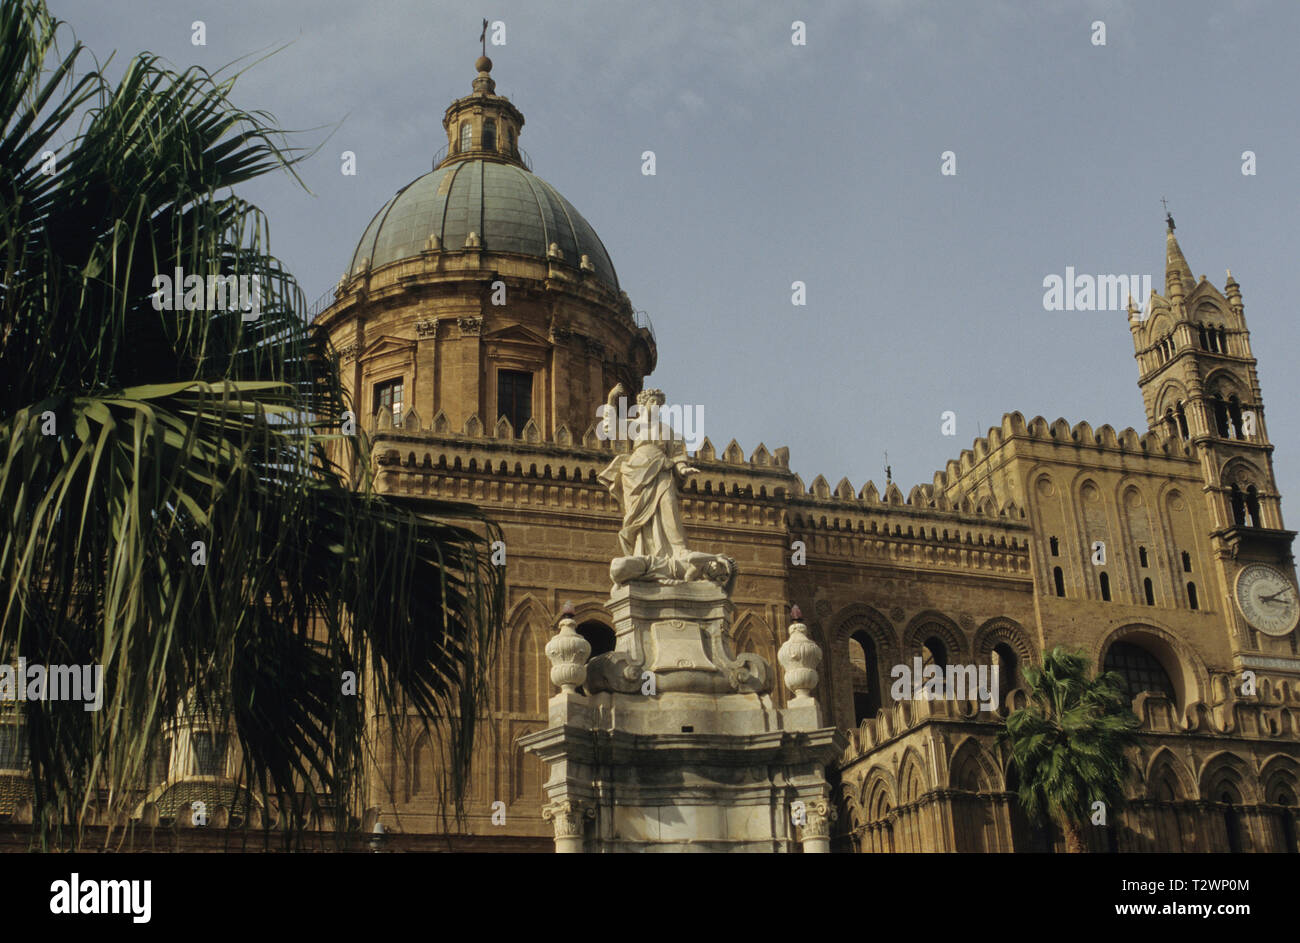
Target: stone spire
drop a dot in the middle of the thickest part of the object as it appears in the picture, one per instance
(483, 125)
(1178, 274)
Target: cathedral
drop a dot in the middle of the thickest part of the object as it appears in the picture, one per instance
(481, 323)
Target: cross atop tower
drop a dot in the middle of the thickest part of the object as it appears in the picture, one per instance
(483, 37)
(1168, 218)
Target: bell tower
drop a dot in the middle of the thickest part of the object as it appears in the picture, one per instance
(1198, 377)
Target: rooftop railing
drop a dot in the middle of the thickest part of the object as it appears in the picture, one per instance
(516, 153)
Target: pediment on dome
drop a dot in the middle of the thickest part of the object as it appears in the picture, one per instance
(515, 333)
(387, 344)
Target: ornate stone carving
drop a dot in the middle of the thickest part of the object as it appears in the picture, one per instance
(471, 325)
(347, 353)
(426, 327)
(818, 819)
(568, 652)
(800, 657)
(569, 817)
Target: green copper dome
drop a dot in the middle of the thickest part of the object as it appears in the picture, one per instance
(511, 210)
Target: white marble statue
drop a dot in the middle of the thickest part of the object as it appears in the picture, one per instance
(645, 481)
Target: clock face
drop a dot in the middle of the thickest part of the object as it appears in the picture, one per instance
(1267, 599)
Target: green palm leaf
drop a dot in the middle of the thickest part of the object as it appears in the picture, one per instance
(130, 435)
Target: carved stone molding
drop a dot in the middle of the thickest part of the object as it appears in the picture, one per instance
(426, 327)
(348, 353)
(470, 326)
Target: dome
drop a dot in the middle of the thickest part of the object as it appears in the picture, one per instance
(510, 208)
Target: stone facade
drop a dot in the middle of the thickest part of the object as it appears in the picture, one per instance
(994, 562)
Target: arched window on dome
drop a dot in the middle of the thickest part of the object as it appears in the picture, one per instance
(390, 395)
(489, 134)
(466, 136)
(515, 397)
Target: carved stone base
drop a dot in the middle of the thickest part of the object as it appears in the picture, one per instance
(678, 746)
(675, 637)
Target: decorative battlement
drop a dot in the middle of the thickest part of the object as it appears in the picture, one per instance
(1081, 435)
(1274, 714)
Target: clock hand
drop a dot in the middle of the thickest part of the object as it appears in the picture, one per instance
(1273, 597)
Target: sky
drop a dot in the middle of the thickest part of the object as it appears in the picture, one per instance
(820, 163)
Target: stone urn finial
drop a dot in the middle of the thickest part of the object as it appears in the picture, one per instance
(568, 652)
(799, 656)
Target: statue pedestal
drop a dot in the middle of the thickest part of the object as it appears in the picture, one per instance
(677, 746)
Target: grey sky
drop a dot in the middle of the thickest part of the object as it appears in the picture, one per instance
(822, 163)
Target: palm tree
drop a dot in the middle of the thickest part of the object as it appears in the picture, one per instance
(1068, 743)
(173, 500)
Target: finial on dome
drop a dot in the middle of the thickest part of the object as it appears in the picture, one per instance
(483, 64)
